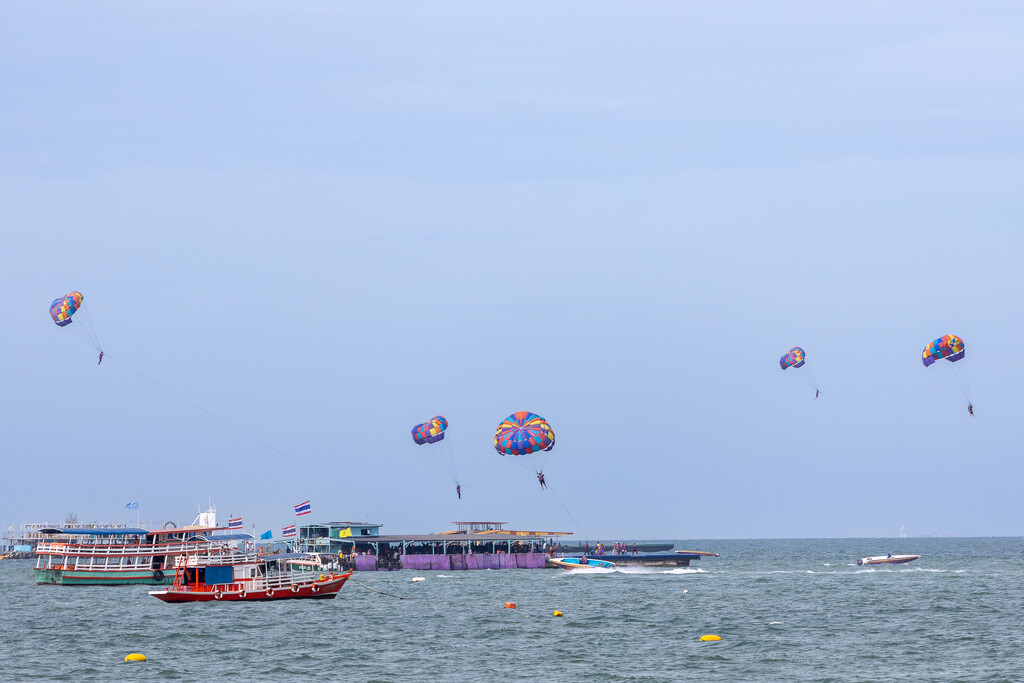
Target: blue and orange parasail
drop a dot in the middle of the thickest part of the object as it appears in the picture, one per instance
(64, 307)
(522, 433)
(793, 359)
(950, 347)
(430, 431)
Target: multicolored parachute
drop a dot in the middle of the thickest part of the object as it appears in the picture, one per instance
(793, 359)
(63, 308)
(430, 431)
(430, 435)
(523, 433)
(950, 347)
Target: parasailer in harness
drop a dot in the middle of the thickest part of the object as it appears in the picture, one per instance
(526, 434)
(101, 358)
(970, 409)
(817, 393)
(458, 491)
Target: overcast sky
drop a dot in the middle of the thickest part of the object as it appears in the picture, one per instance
(303, 227)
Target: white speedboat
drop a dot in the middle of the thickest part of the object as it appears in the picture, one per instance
(887, 559)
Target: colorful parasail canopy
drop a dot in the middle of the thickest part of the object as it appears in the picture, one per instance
(793, 359)
(63, 308)
(522, 433)
(950, 347)
(430, 431)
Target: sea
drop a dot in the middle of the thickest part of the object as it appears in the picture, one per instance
(786, 610)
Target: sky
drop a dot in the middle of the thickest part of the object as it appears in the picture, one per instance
(302, 228)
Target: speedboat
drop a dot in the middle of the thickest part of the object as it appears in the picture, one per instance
(887, 559)
(580, 563)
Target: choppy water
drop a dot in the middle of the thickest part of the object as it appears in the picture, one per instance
(787, 610)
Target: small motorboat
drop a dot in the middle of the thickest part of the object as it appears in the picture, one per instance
(580, 563)
(887, 559)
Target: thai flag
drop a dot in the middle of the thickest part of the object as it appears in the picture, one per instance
(288, 531)
(303, 508)
(235, 523)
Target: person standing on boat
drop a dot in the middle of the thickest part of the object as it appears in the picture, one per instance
(634, 548)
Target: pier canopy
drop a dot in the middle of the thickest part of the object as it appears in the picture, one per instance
(492, 528)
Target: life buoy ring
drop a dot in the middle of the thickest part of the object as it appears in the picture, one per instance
(217, 595)
(241, 594)
(270, 592)
(158, 575)
(295, 589)
(315, 588)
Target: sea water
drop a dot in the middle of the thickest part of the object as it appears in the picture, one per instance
(786, 610)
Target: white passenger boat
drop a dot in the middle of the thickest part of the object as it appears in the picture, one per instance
(89, 556)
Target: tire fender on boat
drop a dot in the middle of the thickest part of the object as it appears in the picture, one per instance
(158, 575)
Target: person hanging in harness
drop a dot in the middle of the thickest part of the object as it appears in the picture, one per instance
(970, 409)
(540, 478)
(817, 393)
(458, 491)
(101, 358)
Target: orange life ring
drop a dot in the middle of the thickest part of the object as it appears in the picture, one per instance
(315, 588)
(241, 594)
(217, 595)
(295, 589)
(270, 592)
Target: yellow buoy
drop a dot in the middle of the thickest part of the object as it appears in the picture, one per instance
(709, 638)
(135, 657)
(557, 613)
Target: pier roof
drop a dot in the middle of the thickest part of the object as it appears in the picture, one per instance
(444, 538)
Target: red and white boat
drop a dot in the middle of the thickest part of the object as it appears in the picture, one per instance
(234, 577)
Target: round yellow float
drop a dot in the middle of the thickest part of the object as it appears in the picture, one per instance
(710, 638)
(557, 613)
(135, 657)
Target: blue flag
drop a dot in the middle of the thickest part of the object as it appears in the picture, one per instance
(265, 535)
(132, 506)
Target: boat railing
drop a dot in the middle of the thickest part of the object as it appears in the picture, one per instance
(281, 580)
(115, 561)
(101, 550)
